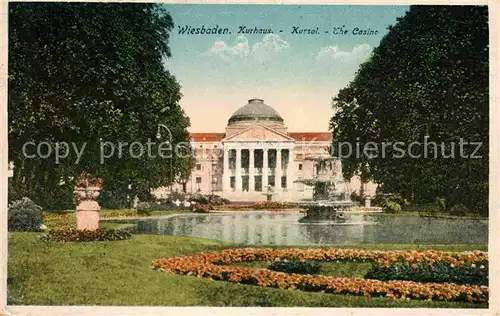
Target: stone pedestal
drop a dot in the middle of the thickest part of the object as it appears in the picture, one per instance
(368, 202)
(87, 217)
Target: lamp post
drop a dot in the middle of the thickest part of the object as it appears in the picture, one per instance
(158, 136)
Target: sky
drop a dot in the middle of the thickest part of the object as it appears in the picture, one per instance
(296, 74)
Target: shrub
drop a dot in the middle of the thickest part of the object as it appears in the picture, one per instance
(438, 272)
(295, 266)
(177, 196)
(144, 208)
(459, 210)
(391, 207)
(24, 215)
(202, 208)
(391, 203)
(355, 197)
(441, 204)
(72, 234)
(113, 199)
(209, 199)
(14, 193)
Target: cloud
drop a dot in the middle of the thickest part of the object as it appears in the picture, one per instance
(270, 46)
(333, 54)
(240, 49)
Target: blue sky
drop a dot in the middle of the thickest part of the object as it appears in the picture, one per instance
(297, 74)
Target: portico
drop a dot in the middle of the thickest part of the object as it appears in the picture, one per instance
(253, 166)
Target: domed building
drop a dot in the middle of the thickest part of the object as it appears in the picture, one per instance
(255, 156)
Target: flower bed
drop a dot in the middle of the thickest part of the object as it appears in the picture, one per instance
(71, 215)
(217, 266)
(50, 216)
(202, 208)
(115, 214)
(266, 205)
(72, 234)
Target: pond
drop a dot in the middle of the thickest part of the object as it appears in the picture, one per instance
(266, 228)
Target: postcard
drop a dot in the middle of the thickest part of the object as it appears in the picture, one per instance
(258, 158)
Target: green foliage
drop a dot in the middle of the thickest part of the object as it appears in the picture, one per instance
(13, 193)
(437, 272)
(441, 205)
(144, 208)
(355, 197)
(391, 203)
(428, 77)
(173, 196)
(459, 210)
(94, 74)
(211, 199)
(202, 208)
(74, 235)
(295, 266)
(391, 207)
(24, 215)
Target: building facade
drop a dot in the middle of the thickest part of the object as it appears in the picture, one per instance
(255, 156)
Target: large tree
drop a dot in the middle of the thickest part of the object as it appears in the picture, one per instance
(91, 73)
(426, 81)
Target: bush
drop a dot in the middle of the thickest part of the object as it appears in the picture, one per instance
(459, 210)
(14, 193)
(24, 215)
(355, 197)
(202, 208)
(391, 203)
(441, 204)
(144, 208)
(438, 272)
(177, 196)
(113, 199)
(72, 234)
(209, 199)
(391, 207)
(295, 266)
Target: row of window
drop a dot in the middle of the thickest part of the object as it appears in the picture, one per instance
(258, 183)
(198, 166)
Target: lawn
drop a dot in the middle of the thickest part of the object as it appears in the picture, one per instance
(119, 273)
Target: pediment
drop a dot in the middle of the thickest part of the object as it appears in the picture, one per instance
(259, 133)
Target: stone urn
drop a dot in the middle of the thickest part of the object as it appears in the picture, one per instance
(87, 208)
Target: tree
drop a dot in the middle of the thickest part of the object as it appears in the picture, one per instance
(90, 73)
(426, 81)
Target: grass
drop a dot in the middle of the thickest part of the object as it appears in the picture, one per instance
(119, 273)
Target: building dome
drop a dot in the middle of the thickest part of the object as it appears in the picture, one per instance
(255, 110)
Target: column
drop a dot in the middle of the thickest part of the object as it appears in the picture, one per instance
(290, 170)
(251, 175)
(237, 175)
(277, 171)
(225, 172)
(264, 170)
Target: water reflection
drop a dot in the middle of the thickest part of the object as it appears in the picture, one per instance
(284, 229)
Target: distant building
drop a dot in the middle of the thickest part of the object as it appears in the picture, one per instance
(256, 151)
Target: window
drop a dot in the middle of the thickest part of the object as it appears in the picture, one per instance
(300, 166)
(283, 182)
(198, 166)
(198, 180)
